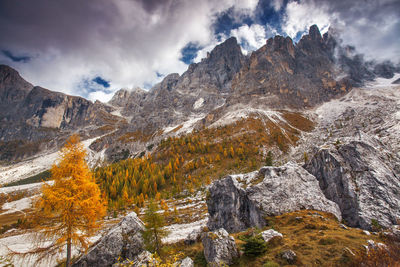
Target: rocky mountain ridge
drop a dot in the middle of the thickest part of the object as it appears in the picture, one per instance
(279, 75)
(34, 119)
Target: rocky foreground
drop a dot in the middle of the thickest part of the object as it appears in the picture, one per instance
(352, 181)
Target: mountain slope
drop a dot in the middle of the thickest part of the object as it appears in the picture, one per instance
(279, 75)
(34, 118)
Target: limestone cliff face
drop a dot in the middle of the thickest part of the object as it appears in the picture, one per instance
(296, 76)
(280, 74)
(13, 90)
(34, 118)
(174, 99)
(361, 177)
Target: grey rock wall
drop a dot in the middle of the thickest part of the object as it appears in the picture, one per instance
(361, 178)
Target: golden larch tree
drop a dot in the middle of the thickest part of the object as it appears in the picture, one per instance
(68, 211)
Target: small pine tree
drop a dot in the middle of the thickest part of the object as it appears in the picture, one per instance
(254, 246)
(154, 232)
(268, 159)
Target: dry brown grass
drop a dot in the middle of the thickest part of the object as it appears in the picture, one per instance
(387, 255)
(316, 237)
(298, 121)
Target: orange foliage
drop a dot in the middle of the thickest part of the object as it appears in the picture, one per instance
(68, 211)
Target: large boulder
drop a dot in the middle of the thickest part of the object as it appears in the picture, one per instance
(238, 202)
(267, 235)
(219, 248)
(123, 240)
(186, 262)
(363, 179)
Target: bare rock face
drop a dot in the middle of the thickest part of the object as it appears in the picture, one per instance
(219, 248)
(291, 75)
(186, 262)
(362, 178)
(238, 202)
(145, 258)
(34, 119)
(289, 256)
(269, 234)
(124, 239)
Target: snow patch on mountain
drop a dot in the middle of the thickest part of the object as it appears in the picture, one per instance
(24, 242)
(382, 82)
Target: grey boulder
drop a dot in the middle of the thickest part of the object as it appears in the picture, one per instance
(123, 240)
(238, 202)
(186, 262)
(219, 247)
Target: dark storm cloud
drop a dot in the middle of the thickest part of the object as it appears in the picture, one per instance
(152, 5)
(58, 24)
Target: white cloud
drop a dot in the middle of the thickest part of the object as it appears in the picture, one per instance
(300, 16)
(277, 4)
(100, 95)
(252, 37)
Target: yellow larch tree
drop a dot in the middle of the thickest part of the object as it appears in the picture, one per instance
(68, 211)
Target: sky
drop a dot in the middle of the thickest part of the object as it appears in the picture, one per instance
(94, 48)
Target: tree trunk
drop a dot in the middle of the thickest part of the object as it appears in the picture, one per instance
(68, 263)
(157, 242)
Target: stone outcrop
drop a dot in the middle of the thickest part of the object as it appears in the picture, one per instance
(362, 178)
(35, 119)
(238, 202)
(269, 234)
(123, 240)
(186, 262)
(219, 248)
(289, 256)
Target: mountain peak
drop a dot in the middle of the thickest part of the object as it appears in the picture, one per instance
(229, 46)
(7, 71)
(12, 86)
(314, 33)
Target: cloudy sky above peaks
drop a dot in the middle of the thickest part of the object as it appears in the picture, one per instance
(93, 48)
